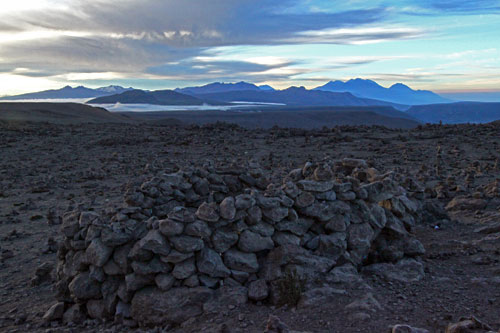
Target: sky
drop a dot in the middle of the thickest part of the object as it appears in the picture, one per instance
(445, 45)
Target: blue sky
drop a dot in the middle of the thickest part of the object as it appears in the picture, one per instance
(449, 45)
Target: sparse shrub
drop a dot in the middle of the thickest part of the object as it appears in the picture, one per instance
(290, 288)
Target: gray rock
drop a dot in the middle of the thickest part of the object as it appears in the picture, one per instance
(192, 281)
(227, 208)
(114, 237)
(153, 307)
(223, 240)
(359, 240)
(184, 269)
(83, 287)
(344, 274)
(74, 314)
(96, 309)
(366, 303)
(254, 242)
(70, 225)
(244, 201)
(286, 238)
(155, 243)
(210, 262)
(226, 296)
(55, 312)
(325, 211)
(181, 214)
(290, 189)
(175, 257)
(319, 296)
(336, 224)
(170, 227)
(164, 281)
(305, 199)
(298, 227)
(97, 253)
(346, 196)
(208, 281)
(135, 281)
(187, 244)
(275, 214)
(246, 262)
(407, 329)
(314, 186)
(152, 267)
(263, 229)
(332, 245)
(254, 215)
(198, 229)
(88, 218)
(268, 202)
(208, 212)
(406, 270)
(328, 196)
(258, 290)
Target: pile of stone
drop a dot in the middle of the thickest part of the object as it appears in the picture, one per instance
(184, 237)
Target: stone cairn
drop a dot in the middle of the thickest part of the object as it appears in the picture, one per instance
(184, 237)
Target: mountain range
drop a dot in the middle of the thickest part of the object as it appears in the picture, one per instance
(397, 93)
(248, 92)
(69, 92)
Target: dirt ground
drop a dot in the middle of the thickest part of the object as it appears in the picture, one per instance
(46, 170)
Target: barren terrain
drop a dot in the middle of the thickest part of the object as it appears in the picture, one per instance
(47, 170)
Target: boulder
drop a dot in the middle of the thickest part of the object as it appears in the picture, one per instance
(246, 262)
(97, 253)
(210, 262)
(254, 242)
(153, 307)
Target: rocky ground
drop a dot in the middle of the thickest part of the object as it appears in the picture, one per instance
(47, 170)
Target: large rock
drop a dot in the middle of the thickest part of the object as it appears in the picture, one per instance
(184, 269)
(227, 208)
(258, 290)
(155, 243)
(223, 240)
(208, 212)
(153, 307)
(462, 203)
(97, 253)
(254, 242)
(314, 186)
(241, 261)
(406, 270)
(170, 227)
(187, 244)
(83, 287)
(210, 262)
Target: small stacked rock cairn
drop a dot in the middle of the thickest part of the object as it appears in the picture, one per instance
(185, 237)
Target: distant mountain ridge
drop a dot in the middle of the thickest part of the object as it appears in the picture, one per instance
(296, 96)
(397, 93)
(70, 92)
(218, 87)
(158, 97)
